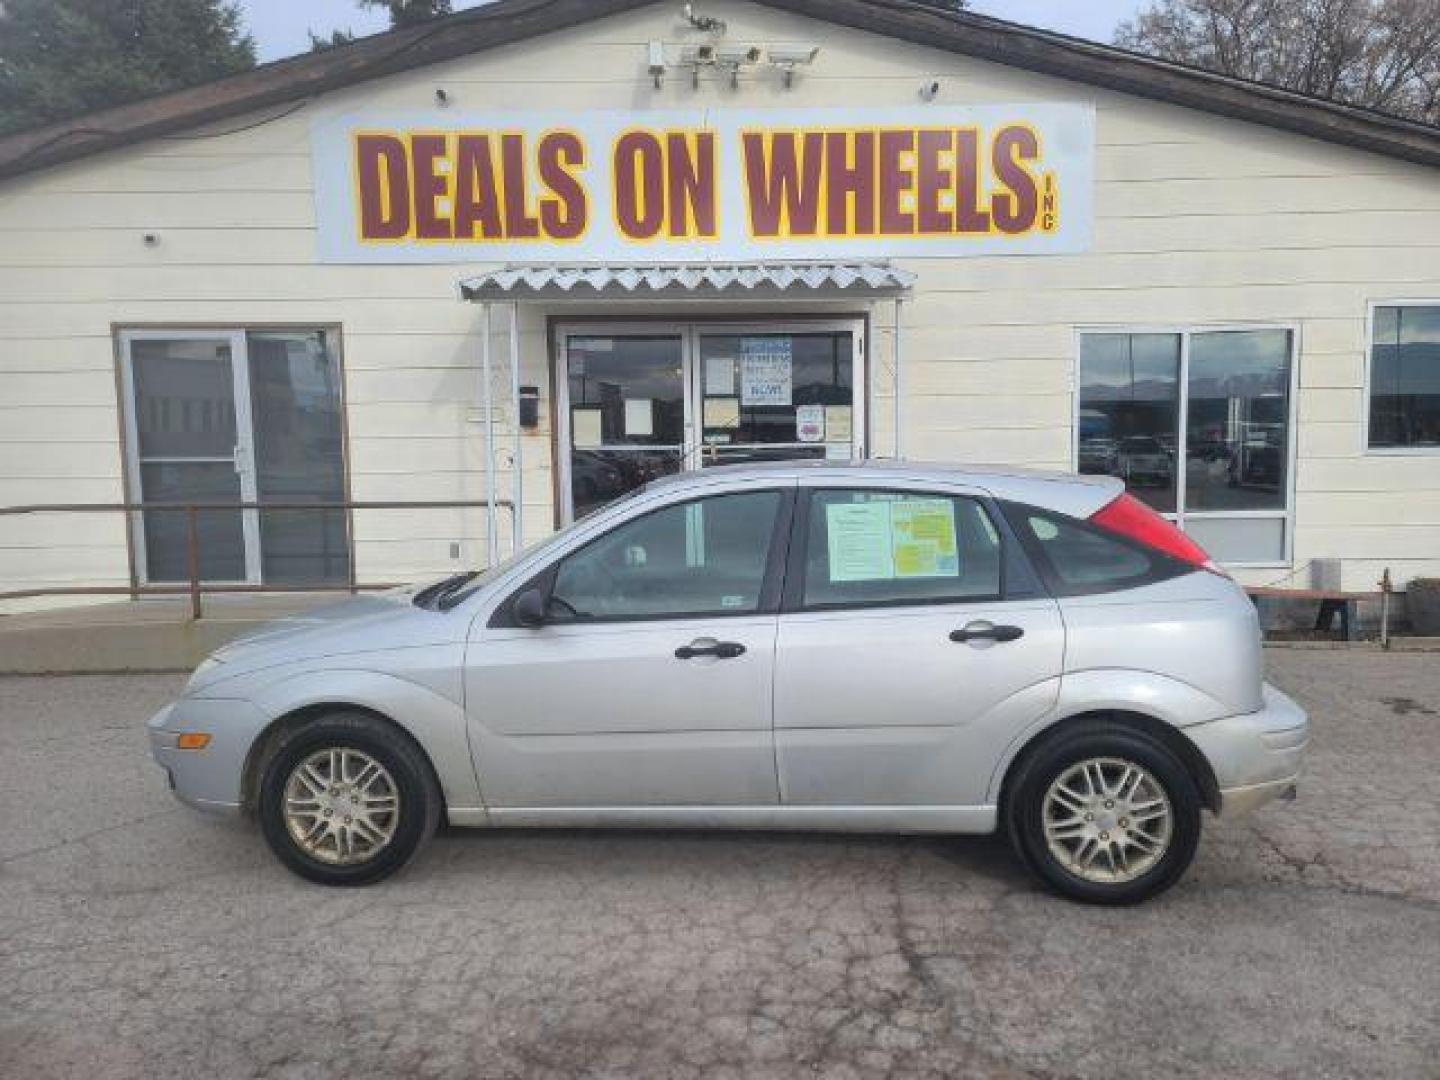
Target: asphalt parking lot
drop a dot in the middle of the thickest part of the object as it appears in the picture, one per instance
(138, 939)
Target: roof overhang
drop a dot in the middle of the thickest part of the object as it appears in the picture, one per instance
(687, 281)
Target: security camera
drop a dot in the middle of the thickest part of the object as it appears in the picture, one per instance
(695, 57)
(734, 57)
(929, 90)
(788, 57)
(794, 55)
(736, 54)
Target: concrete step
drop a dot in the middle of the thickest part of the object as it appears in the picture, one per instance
(153, 634)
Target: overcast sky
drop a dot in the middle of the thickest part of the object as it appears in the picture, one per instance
(280, 26)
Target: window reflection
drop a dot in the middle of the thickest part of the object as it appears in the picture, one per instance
(1237, 427)
(705, 557)
(1129, 412)
(1405, 377)
(627, 415)
(295, 406)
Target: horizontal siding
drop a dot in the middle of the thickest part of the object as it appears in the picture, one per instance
(1199, 220)
(1369, 266)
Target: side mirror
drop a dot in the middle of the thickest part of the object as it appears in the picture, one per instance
(530, 608)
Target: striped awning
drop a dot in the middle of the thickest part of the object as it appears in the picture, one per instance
(685, 280)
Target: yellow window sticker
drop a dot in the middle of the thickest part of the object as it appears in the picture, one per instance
(924, 538)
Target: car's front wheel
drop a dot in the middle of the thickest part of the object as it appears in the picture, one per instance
(345, 799)
(1104, 813)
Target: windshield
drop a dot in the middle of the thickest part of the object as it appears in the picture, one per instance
(454, 591)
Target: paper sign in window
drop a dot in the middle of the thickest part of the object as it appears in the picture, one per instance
(859, 538)
(720, 376)
(585, 428)
(722, 412)
(886, 541)
(810, 423)
(639, 417)
(838, 423)
(765, 371)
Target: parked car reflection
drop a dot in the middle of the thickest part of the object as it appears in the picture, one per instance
(1144, 462)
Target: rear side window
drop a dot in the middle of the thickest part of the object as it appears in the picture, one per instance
(898, 547)
(1077, 559)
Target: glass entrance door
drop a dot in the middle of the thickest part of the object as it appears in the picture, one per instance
(230, 416)
(639, 401)
(188, 396)
(776, 395)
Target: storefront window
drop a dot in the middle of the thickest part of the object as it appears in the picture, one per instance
(1405, 377)
(1232, 490)
(1238, 421)
(1130, 410)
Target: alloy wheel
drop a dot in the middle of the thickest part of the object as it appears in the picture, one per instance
(1107, 820)
(341, 806)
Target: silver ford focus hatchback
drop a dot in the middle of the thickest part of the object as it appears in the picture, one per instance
(886, 647)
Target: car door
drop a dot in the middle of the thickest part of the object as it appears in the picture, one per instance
(649, 683)
(914, 645)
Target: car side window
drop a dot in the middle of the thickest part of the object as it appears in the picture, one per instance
(898, 547)
(1077, 559)
(706, 557)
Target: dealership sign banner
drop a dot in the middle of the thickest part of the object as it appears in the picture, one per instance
(722, 185)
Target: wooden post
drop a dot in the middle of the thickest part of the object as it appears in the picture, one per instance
(192, 559)
(1385, 589)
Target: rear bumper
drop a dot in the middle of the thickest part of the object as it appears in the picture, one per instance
(1256, 757)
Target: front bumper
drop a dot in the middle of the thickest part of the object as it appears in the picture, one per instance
(1257, 756)
(208, 779)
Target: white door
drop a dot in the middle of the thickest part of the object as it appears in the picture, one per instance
(905, 660)
(650, 683)
(642, 400)
(188, 432)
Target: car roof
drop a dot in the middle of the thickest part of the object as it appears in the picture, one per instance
(1068, 493)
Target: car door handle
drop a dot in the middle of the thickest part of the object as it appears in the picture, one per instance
(984, 631)
(723, 650)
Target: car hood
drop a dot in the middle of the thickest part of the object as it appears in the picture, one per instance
(363, 624)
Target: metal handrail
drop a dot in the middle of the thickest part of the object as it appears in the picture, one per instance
(194, 587)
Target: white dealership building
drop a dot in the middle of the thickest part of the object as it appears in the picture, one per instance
(541, 251)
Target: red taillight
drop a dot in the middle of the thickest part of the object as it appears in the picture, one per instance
(1127, 516)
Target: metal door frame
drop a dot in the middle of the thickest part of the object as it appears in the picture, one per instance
(689, 332)
(242, 457)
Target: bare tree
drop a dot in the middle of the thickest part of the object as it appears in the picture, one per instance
(1384, 54)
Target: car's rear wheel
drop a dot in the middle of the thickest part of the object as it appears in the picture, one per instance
(345, 799)
(1104, 813)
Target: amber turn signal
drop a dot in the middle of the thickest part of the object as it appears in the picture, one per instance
(192, 740)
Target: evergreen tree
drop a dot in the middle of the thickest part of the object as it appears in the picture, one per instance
(410, 12)
(59, 58)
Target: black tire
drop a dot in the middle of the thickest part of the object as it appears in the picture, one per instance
(419, 798)
(1068, 746)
